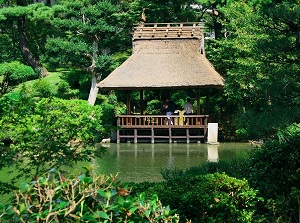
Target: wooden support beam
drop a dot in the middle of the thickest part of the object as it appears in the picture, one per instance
(142, 101)
(198, 102)
(128, 105)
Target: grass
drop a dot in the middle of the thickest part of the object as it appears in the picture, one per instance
(53, 78)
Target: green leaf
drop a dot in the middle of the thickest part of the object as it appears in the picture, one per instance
(22, 207)
(147, 213)
(102, 193)
(102, 214)
(25, 185)
(132, 210)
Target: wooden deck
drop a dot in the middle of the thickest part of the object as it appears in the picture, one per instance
(156, 128)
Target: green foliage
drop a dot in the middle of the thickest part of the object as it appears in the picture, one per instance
(206, 168)
(275, 167)
(15, 73)
(259, 59)
(48, 133)
(42, 88)
(163, 11)
(108, 118)
(275, 171)
(207, 198)
(153, 107)
(81, 39)
(83, 198)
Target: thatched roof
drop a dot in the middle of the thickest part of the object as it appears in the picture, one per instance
(164, 62)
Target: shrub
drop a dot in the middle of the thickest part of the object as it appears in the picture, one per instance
(207, 198)
(275, 167)
(235, 168)
(275, 171)
(42, 88)
(15, 72)
(49, 133)
(83, 198)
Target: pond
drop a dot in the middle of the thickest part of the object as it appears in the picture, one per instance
(143, 162)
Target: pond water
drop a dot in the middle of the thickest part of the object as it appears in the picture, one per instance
(143, 162)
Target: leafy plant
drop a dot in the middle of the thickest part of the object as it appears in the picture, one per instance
(275, 167)
(83, 198)
(207, 198)
(46, 134)
(14, 73)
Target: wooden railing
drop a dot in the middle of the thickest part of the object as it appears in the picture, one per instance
(162, 127)
(161, 121)
(168, 30)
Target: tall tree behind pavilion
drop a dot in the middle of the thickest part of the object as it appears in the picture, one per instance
(87, 34)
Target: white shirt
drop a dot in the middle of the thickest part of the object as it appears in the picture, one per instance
(188, 108)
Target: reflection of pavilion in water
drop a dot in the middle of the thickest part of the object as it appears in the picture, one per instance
(212, 151)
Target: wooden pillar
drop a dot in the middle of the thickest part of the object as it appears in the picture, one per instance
(118, 130)
(142, 101)
(128, 105)
(198, 102)
(207, 108)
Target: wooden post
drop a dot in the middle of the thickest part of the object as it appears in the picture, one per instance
(207, 108)
(198, 102)
(118, 130)
(128, 110)
(142, 101)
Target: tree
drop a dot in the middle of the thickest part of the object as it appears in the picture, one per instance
(16, 19)
(47, 133)
(88, 33)
(260, 63)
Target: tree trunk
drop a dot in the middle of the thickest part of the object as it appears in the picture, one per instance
(28, 56)
(95, 76)
(93, 91)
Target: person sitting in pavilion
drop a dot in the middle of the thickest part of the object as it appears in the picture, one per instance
(188, 110)
(170, 108)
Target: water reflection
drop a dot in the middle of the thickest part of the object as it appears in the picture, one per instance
(212, 153)
(143, 162)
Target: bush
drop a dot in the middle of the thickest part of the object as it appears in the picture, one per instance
(49, 133)
(275, 171)
(237, 168)
(15, 73)
(84, 198)
(207, 198)
(42, 88)
(275, 167)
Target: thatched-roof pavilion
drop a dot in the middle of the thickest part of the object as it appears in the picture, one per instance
(165, 56)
